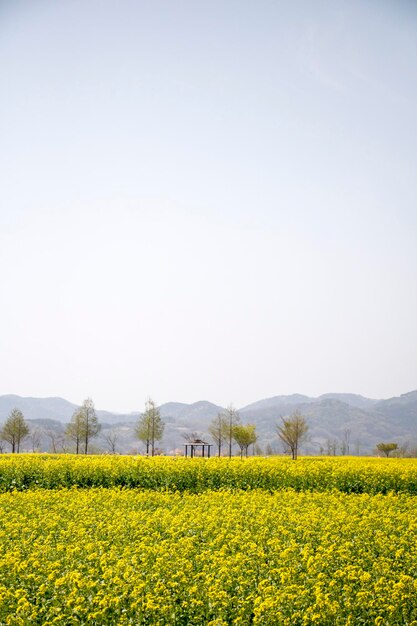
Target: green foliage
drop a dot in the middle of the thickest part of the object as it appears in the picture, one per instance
(15, 430)
(349, 475)
(244, 435)
(292, 432)
(230, 419)
(387, 448)
(74, 430)
(83, 426)
(150, 427)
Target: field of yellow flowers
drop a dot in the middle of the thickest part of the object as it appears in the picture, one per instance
(229, 555)
(346, 474)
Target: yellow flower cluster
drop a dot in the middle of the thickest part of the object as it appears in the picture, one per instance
(349, 475)
(123, 556)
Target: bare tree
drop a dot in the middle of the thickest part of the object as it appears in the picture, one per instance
(412, 452)
(345, 443)
(292, 432)
(319, 446)
(57, 440)
(257, 450)
(217, 431)
(35, 438)
(192, 436)
(110, 437)
(402, 450)
(331, 447)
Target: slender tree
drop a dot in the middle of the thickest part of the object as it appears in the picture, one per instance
(346, 441)
(15, 430)
(231, 418)
(150, 427)
(74, 431)
(111, 437)
(91, 425)
(143, 430)
(83, 426)
(244, 435)
(35, 437)
(217, 431)
(57, 440)
(331, 447)
(292, 432)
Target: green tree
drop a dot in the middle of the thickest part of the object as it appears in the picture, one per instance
(292, 432)
(15, 430)
(244, 435)
(83, 426)
(217, 431)
(150, 427)
(387, 448)
(74, 430)
(90, 422)
(231, 418)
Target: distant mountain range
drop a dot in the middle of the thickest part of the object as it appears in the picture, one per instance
(337, 422)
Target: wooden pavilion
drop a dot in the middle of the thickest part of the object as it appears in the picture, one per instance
(192, 446)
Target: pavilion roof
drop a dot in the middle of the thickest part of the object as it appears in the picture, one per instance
(198, 442)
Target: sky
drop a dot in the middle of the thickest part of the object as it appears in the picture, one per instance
(207, 200)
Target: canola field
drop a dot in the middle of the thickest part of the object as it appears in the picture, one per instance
(233, 554)
(346, 474)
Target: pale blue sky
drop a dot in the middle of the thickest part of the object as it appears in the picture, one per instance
(207, 200)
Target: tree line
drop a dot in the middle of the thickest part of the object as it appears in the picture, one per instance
(84, 426)
(225, 429)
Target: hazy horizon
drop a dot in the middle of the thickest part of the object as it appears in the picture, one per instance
(207, 200)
